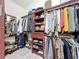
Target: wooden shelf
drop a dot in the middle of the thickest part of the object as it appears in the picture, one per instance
(38, 49)
(38, 34)
(39, 31)
(41, 45)
(39, 24)
(39, 11)
(39, 18)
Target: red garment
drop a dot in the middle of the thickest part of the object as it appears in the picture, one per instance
(61, 19)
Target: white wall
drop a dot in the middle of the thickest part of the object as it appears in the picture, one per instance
(14, 9)
(35, 5)
(41, 3)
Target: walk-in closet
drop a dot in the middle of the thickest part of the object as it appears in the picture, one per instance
(39, 29)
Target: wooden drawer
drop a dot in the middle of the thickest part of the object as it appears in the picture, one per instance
(38, 35)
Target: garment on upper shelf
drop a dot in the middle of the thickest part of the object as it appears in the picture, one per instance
(48, 23)
(58, 20)
(52, 21)
(26, 20)
(77, 23)
(66, 19)
(71, 20)
(23, 23)
(20, 26)
(30, 23)
(61, 19)
(77, 17)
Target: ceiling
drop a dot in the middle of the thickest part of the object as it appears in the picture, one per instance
(26, 3)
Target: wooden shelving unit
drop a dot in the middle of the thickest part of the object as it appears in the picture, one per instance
(38, 33)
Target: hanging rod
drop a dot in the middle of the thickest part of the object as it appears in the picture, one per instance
(70, 3)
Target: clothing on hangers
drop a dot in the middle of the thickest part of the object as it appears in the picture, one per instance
(71, 19)
(20, 26)
(30, 23)
(76, 23)
(26, 21)
(48, 51)
(61, 19)
(52, 22)
(48, 23)
(66, 19)
(76, 17)
(58, 20)
(62, 48)
(11, 26)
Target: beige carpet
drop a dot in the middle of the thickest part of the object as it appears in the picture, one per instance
(23, 53)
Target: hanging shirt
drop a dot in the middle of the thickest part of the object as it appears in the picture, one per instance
(58, 19)
(61, 49)
(76, 23)
(26, 20)
(61, 19)
(48, 51)
(24, 23)
(54, 21)
(77, 17)
(65, 19)
(49, 22)
(67, 51)
(20, 26)
(71, 21)
(30, 23)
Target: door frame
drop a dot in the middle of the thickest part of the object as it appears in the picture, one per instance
(2, 35)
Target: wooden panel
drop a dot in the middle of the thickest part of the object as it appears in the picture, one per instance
(2, 29)
(38, 35)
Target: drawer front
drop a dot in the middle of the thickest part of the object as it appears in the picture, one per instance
(38, 35)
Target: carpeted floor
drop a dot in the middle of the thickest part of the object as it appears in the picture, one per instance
(23, 53)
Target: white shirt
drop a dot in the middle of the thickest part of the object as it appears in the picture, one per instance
(19, 27)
